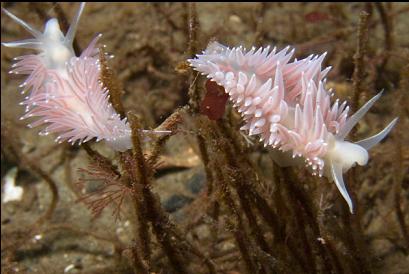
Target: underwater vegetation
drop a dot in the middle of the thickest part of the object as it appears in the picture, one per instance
(176, 187)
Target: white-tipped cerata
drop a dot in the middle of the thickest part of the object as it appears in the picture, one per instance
(65, 91)
(286, 104)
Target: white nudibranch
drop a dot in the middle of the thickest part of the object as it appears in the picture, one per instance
(65, 90)
(287, 105)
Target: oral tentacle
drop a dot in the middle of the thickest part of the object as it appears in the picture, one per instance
(336, 173)
(37, 34)
(370, 142)
(27, 43)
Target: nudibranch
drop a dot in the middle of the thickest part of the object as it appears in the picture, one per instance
(288, 106)
(65, 91)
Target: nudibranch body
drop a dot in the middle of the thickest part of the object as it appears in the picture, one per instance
(287, 105)
(64, 90)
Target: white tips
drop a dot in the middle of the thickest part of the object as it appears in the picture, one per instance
(336, 173)
(290, 106)
(248, 102)
(260, 122)
(219, 76)
(257, 100)
(275, 118)
(258, 113)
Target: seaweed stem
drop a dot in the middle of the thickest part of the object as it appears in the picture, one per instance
(111, 82)
(354, 239)
(259, 20)
(359, 71)
(387, 23)
(161, 224)
(399, 170)
(192, 29)
(97, 157)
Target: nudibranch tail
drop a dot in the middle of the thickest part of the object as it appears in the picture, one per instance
(287, 105)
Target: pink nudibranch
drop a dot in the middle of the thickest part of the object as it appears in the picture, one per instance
(287, 105)
(65, 91)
